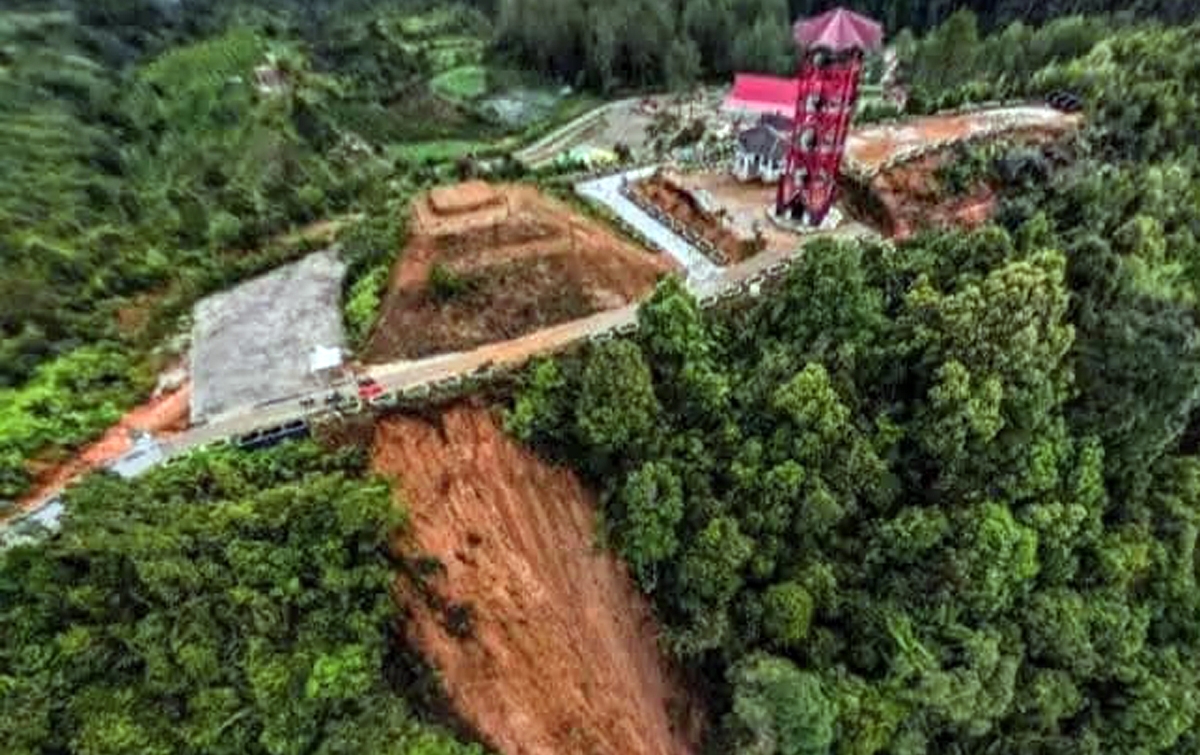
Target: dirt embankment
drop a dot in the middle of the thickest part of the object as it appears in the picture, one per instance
(667, 194)
(912, 199)
(543, 642)
(909, 197)
(523, 261)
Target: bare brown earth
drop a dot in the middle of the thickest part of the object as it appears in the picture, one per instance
(163, 416)
(668, 195)
(871, 147)
(531, 261)
(745, 205)
(912, 200)
(909, 198)
(561, 655)
(468, 196)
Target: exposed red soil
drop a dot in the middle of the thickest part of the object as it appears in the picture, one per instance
(872, 146)
(670, 197)
(909, 198)
(468, 196)
(562, 655)
(745, 204)
(913, 200)
(163, 416)
(531, 262)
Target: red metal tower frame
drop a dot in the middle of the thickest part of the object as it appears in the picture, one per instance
(825, 103)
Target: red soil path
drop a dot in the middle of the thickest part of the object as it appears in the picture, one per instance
(562, 658)
(164, 416)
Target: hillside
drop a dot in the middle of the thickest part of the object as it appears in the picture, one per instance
(928, 491)
(539, 635)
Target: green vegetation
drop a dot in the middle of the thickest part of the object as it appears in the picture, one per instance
(438, 151)
(154, 155)
(934, 497)
(233, 603)
(370, 247)
(643, 43)
(446, 285)
(465, 83)
(938, 496)
(967, 165)
(47, 413)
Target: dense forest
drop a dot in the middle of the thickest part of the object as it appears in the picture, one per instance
(233, 603)
(642, 42)
(940, 496)
(934, 497)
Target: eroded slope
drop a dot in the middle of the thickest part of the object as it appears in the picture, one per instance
(561, 658)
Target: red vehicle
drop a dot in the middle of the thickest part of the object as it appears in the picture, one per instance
(369, 389)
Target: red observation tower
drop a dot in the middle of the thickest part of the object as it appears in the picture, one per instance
(832, 46)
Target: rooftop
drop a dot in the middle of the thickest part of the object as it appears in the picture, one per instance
(757, 93)
(839, 30)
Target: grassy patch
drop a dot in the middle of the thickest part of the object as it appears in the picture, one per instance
(363, 302)
(438, 150)
(462, 83)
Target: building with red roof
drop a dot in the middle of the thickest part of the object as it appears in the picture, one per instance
(756, 94)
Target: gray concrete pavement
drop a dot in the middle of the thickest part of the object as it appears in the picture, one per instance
(697, 268)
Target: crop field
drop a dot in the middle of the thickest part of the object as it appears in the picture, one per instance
(462, 83)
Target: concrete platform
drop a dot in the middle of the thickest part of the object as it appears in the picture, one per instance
(251, 344)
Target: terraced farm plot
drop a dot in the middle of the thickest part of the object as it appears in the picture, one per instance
(490, 263)
(462, 83)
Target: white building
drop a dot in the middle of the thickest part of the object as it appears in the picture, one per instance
(762, 150)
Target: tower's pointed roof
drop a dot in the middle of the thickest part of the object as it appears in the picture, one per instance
(839, 30)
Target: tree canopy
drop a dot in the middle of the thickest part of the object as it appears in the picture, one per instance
(939, 495)
(233, 603)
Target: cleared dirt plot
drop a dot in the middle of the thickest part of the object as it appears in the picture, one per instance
(489, 263)
(252, 344)
(745, 206)
(541, 639)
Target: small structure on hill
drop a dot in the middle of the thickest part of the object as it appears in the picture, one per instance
(762, 149)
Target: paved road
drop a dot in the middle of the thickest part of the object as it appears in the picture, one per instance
(607, 191)
(703, 277)
(562, 138)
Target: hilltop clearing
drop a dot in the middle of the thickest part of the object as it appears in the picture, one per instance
(489, 263)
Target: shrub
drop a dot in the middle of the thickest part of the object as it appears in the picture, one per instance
(225, 230)
(445, 284)
(787, 613)
(363, 301)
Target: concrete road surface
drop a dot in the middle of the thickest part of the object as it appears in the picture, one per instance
(607, 191)
(704, 279)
